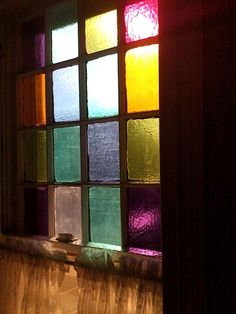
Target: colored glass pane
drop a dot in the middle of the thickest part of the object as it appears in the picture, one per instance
(33, 41)
(102, 88)
(66, 94)
(141, 20)
(68, 211)
(67, 154)
(144, 218)
(142, 79)
(64, 33)
(143, 150)
(36, 211)
(32, 100)
(35, 156)
(101, 31)
(105, 225)
(103, 151)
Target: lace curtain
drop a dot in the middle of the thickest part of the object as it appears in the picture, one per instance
(31, 285)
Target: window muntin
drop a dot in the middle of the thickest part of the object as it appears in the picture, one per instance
(94, 147)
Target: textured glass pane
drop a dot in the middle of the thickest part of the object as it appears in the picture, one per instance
(103, 150)
(142, 79)
(105, 215)
(68, 211)
(35, 156)
(64, 33)
(141, 20)
(33, 41)
(143, 150)
(32, 100)
(102, 75)
(36, 211)
(144, 218)
(67, 154)
(66, 94)
(101, 31)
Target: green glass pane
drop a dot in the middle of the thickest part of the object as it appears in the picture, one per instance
(102, 86)
(143, 150)
(67, 154)
(105, 226)
(35, 156)
(101, 31)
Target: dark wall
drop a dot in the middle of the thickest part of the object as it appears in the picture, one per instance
(198, 148)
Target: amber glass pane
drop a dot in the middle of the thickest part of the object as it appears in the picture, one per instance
(32, 100)
(101, 31)
(143, 150)
(142, 79)
(141, 20)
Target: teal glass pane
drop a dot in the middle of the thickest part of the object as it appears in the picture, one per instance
(105, 225)
(102, 88)
(64, 33)
(103, 151)
(67, 154)
(66, 94)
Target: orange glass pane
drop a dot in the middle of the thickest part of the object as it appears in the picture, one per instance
(32, 100)
(142, 79)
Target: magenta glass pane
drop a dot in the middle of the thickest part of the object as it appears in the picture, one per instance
(36, 211)
(141, 20)
(144, 218)
(33, 44)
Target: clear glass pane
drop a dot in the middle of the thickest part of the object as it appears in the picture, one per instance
(36, 211)
(141, 20)
(101, 31)
(33, 41)
(143, 150)
(103, 151)
(68, 211)
(144, 218)
(35, 156)
(142, 79)
(32, 100)
(67, 154)
(66, 94)
(105, 226)
(102, 87)
(64, 33)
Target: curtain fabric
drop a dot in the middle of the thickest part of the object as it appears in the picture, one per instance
(33, 285)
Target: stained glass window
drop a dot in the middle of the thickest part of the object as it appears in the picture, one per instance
(89, 124)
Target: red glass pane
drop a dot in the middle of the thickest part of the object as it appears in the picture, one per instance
(141, 20)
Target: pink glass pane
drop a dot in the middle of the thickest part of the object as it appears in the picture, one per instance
(33, 44)
(144, 218)
(36, 211)
(141, 20)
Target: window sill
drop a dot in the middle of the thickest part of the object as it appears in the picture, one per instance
(104, 259)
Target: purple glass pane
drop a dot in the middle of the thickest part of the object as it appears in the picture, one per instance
(144, 218)
(33, 44)
(36, 211)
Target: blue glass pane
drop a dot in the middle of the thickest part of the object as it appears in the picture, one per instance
(103, 151)
(102, 75)
(66, 94)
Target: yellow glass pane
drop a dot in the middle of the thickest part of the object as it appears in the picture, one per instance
(143, 151)
(101, 32)
(142, 79)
